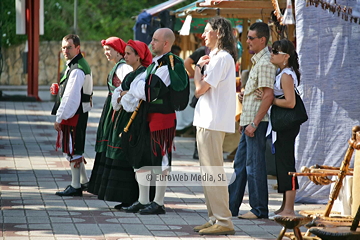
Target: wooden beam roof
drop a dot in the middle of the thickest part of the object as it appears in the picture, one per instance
(237, 4)
(230, 13)
(233, 9)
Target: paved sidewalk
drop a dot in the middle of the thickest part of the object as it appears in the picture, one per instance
(31, 171)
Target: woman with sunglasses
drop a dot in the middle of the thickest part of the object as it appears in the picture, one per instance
(284, 56)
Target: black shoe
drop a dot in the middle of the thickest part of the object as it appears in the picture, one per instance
(135, 207)
(70, 191)
(84, 186)
(153, 208)
(195, 155)
(122, 206)
(119, 206)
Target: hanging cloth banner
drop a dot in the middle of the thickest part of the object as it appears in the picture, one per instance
(356, 10)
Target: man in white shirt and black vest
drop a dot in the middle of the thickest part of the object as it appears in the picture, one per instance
(73, 102)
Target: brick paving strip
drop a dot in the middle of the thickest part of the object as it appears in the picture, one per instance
(31, 171)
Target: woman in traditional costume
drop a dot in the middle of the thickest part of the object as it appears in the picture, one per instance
(114, 50)
(118, 181)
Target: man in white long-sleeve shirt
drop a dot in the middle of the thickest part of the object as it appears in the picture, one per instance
(73, 102)
(153, 86)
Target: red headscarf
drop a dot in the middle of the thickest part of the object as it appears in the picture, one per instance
(142, 50)
(116, 43)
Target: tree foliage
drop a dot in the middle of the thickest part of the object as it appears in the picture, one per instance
(8, 35)
(97, 19)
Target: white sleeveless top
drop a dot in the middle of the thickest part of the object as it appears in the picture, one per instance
(278, 92)
(277, 85)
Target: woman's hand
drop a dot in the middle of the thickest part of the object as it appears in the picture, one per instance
(122, 93)
(258, 94)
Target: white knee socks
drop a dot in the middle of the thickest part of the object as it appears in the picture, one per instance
(75, 176)
(160, 190)
(144, 186)
(83, 176)
(144, 189)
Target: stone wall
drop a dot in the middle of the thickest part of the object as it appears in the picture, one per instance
(49, 58)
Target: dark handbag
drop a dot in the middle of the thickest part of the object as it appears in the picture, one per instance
(283, 119)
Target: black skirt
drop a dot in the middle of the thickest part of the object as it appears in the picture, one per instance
(113, 180)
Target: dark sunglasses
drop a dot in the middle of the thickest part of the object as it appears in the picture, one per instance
(276, 52)
(252, 38)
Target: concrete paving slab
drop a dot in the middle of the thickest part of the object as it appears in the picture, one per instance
(31, 171)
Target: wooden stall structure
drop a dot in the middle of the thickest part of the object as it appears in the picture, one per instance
(319, 175)
(246, 11)
(326, 218)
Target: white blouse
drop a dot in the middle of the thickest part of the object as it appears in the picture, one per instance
(277, 85)
(278, 92)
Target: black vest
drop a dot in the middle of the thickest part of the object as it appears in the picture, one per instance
(76, 63)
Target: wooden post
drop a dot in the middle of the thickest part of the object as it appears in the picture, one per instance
(32, 30)
(245, 58)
